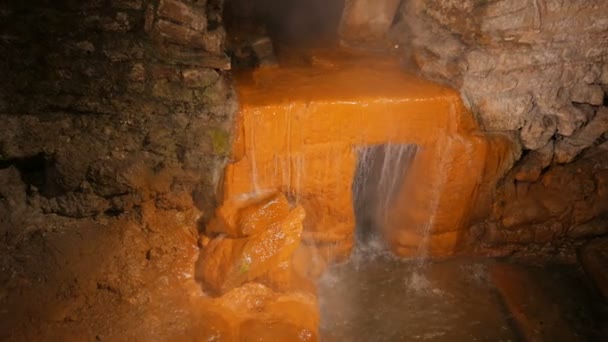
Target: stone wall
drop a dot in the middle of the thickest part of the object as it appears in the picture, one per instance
(98, 95)
(538, 68)
(115, 119)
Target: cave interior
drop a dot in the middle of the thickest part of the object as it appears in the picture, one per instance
(303, 170)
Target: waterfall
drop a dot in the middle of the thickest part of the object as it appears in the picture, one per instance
(378, 178)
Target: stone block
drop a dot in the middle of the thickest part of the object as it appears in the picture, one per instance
(199, 77)
(604, 75)
(179, 34)
(182, 13)
(138, 73)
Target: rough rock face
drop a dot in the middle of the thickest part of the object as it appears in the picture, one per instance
(115, 119)
(537, 67)
(551, 217)
(226, 262)
(98, 96)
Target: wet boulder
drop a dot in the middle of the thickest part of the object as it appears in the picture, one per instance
(228, 262)
(238, 219)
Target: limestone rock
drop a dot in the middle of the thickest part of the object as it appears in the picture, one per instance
(568, 148)
(13, 199)
(264, 50)
(592, 94)
(518, 68)
(184, 14)
(537, 131)
(254, 218)
(531, 165)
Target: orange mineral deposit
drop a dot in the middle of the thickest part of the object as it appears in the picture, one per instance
(299, 129)
(226, 263)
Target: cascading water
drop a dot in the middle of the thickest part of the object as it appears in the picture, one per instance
(378, 177)
(375, 158)
(377, 296)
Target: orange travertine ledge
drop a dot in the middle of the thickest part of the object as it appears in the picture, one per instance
(299, 127)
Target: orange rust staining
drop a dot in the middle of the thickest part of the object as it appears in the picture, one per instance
(448, 185)
(226, 263)
(299, 127)
(254, 312)
(259, 272)
(298, 133)
(246, 218)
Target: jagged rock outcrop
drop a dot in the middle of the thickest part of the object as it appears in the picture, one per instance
(537, 67)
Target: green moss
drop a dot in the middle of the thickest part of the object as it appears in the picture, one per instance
(220, 139)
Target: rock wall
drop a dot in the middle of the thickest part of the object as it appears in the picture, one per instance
(115, 126)
(538, 68)
(98, 95)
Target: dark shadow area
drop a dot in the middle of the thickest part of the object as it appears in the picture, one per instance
(257, 31)
(286, 21)
(37, 172)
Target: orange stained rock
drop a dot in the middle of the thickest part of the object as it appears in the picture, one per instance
(254, 312)
(299, 127)
(244, 218)
(226, 263)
